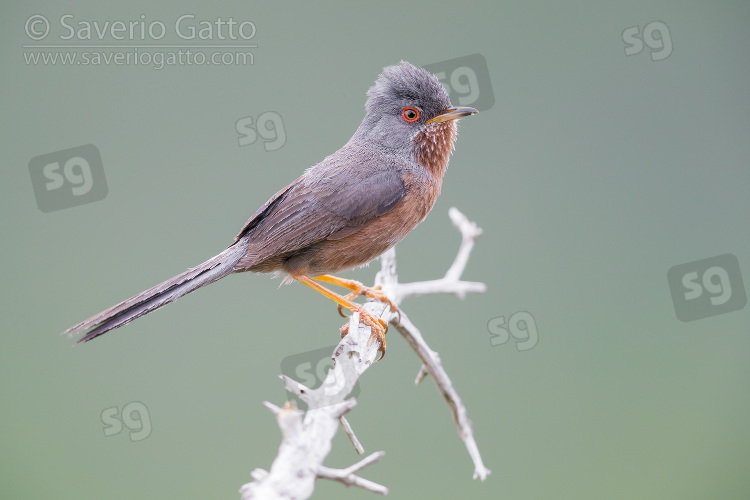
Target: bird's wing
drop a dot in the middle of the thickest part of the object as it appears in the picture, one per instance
(263, 211)
(332, 200)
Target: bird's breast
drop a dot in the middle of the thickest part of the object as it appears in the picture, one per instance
(378, 235)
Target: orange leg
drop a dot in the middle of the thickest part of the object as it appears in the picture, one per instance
(358, 289)
(378, 326)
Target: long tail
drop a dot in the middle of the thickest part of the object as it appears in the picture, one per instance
(160, 295)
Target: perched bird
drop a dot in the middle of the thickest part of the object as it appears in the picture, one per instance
(343, 212)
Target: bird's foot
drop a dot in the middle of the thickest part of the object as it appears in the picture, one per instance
(378, 326)
(374, 292)
(358, 289)
(378, 329)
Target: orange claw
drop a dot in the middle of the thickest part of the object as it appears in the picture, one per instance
(378, 326)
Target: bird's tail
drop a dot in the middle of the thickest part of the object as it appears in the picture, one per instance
(160, 295)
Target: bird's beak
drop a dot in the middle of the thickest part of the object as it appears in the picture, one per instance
(452, 114)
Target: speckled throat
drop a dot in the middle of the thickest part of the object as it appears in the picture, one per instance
(434, 145)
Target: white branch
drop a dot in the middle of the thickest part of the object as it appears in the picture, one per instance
(350, 433)
(434, 367)
(450, 283)
(387, 278)
(347, 476)
(469, 233)
(306, 437)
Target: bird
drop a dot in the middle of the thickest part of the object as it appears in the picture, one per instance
(339, 214)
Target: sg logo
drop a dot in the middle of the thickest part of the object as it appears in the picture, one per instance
(311, 369)
(67, 178)
(134, 416)
(522, 328)
(269, 126)
(661, 45)
(467, 80)
(707, 287)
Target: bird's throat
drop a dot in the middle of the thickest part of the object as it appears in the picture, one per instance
(434, 146)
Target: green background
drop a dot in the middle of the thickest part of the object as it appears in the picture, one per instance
(593, 174)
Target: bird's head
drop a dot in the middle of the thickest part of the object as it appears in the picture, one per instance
(408, 110)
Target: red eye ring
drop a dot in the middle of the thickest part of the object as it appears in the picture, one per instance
(410, 115)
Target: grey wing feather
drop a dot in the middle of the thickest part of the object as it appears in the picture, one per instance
(334, 199)
(263, 211)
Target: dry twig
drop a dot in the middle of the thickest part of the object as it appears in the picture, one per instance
(306, 437)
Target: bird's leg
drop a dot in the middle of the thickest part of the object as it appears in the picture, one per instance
(358, 289)
(378, 326)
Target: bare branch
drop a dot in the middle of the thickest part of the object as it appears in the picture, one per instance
(387, 277)
(347, 476)
(274, 409)
(469, 233)
(349, 432)
(258, 474)
(434, 367)
(306, 437)
(421, 375)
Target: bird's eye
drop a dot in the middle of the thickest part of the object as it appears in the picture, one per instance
(410, 115)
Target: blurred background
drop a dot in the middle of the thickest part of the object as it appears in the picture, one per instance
(609, 168)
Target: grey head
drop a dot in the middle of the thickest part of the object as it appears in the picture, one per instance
(405, 103)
